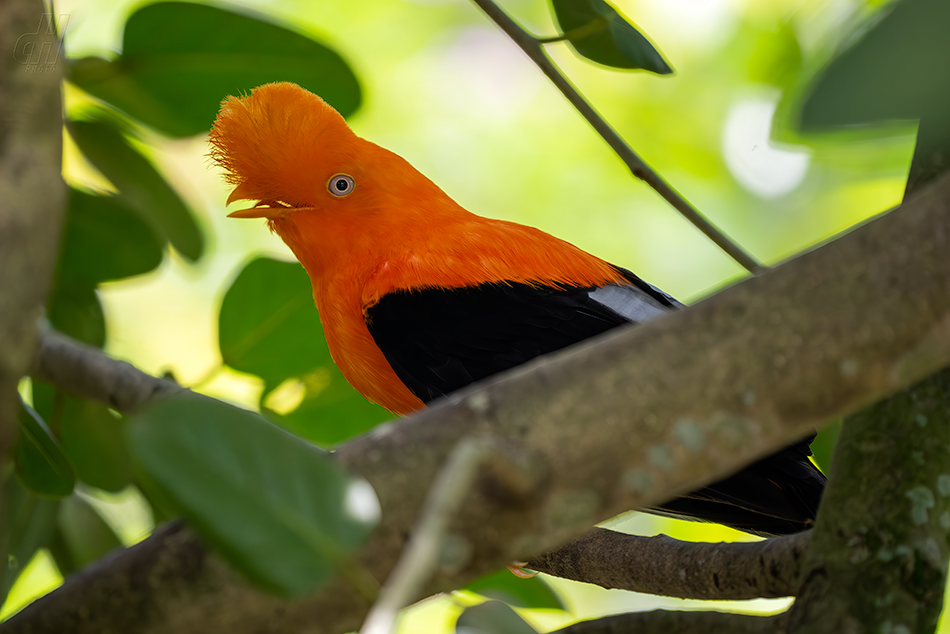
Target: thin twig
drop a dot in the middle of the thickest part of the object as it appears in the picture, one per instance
(421, 555)
(88, 372)
(532, 47)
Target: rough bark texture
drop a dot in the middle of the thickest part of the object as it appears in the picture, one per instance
(31, 190)
(669, 567)
(879, 553)
(677, 402)
(878, 561)
(879, 558)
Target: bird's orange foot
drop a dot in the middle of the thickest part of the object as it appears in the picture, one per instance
(518, 569)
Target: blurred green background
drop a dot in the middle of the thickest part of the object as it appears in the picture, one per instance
(448, 91)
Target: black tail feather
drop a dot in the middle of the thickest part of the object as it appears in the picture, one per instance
(777, 495)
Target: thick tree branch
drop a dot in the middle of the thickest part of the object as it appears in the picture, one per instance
(31, 190)
(880, 548)
(674, 622)
(880, 543)
(669, 567)
(677, 402)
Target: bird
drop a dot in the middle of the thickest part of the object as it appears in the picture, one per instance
(419, 297)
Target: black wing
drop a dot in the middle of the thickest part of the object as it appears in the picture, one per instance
(440, 340)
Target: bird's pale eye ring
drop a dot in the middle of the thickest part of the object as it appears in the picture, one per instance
(341, 185)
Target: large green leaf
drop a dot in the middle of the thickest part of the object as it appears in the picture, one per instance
(41, 463)
(27, 525)
(280, 509)
(330, 412)
(492, 617)
(91, 436)
(179, 60)
(897, 70)
(141, 187)
(104, 240)
(521, 593)
(81, 536)
(95, 443)
(602, 34)
(268, 324)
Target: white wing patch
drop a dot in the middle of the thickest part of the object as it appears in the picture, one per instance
(630, 302)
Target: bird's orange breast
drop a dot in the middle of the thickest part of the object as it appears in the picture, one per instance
(351, 272)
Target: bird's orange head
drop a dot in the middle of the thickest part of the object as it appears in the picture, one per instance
(317, 183)
(280, 146)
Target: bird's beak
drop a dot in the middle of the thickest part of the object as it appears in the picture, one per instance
(263, 209)
(260, 212)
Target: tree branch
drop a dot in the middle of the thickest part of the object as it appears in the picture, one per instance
(421, 555)
(680, 622)
(665, 566)
(31, 191)
(678, 402)
(880, 547)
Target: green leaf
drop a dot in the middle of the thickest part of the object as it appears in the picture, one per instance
(74, 310)
(492, 617)
(268, 324)
(103, 240)
(81, 536)
(824, 445)
(93, 439)
(27, 525)
(141, 187)
(280, 509)
(520, 593)
(896, 71)
(91, 436)
(330, 412)
(179, 60)
(602, 34)
(41, 463)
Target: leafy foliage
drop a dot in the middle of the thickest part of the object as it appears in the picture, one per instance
(103, 241)
(179, 60)
(80, 536)
(274, 504)
(896, 71)
(41, 463)
(141, 187)
(279, 508)
(268, 327)
(492, 617)
(520, 593)
(602, 34)
(27, 526)
(91, 436)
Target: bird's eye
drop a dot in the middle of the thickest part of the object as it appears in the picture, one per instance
(341, 185)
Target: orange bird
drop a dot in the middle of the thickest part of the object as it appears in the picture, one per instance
(419, 297)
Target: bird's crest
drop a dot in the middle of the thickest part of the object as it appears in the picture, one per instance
(273, 142)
